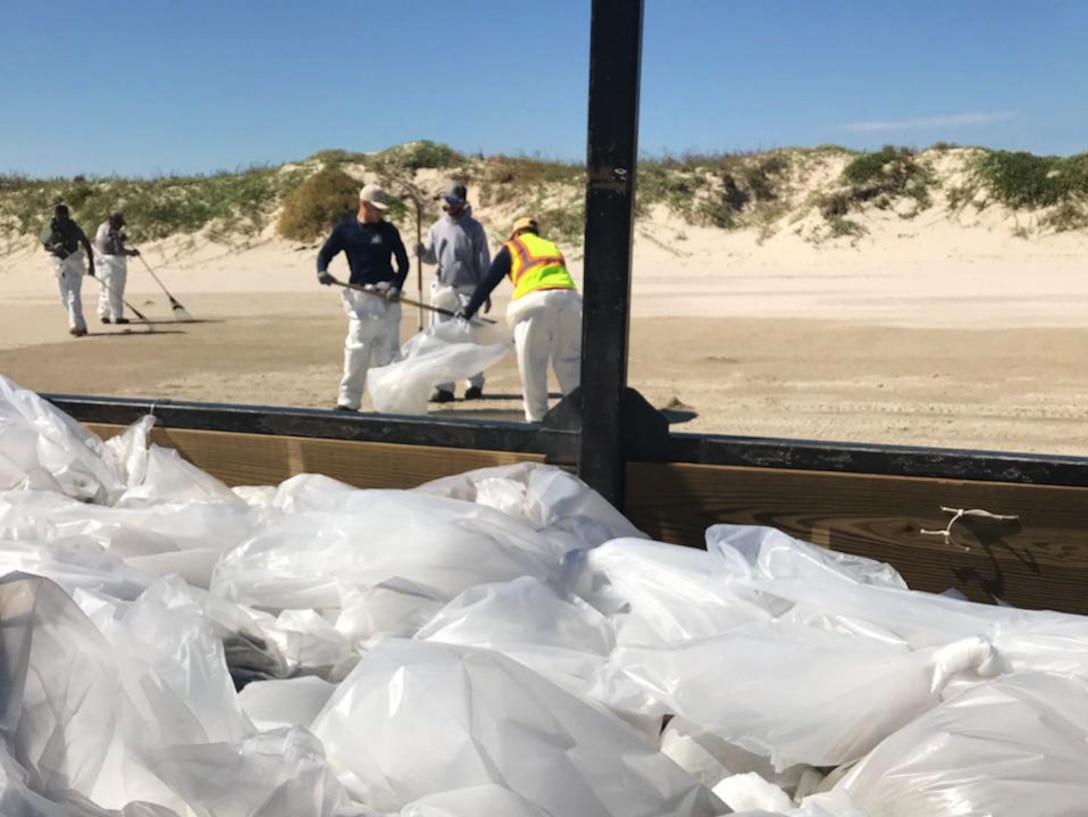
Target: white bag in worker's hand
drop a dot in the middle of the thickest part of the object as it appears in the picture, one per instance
(443, 353)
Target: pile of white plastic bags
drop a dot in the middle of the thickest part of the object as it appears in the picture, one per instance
(501, 642)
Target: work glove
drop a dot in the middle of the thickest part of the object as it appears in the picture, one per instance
(325, 278)
(133, 252)
(487, 306)
(392, 294)
(461, 315)
(420, 249)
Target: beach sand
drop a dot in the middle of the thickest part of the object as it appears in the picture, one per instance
(929, 333)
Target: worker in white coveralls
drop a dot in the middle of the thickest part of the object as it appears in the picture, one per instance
(370, 244)
(458, 244)
(546, 313)
(62, 239)
(111, 263)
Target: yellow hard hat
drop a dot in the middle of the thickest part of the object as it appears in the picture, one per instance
(524, 223)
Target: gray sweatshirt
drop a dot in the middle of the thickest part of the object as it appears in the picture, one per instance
(459, 247)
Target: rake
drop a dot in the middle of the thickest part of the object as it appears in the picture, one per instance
(409, 302)
(180, 313)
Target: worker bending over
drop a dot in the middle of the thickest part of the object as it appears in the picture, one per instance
(546, 313)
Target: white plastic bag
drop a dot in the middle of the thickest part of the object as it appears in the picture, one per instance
(42, 448)
(709, 759)
(563, 639)
(307, 640)
(307, 559)
(442, 353)
(156, 474)
(67, 718)
(479, 801)
(285, 703)
(660, 594)
(1024, 640)
(275, 774)
(777, 555)
(75, 563)
(165, 635)
(1011, 747)
(417, 718)
(552, 501)
(144, 713)
(749, 791)
(391, 608)
(793, 694)
(182, 537)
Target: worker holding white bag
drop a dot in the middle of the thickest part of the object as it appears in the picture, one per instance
(457, 243)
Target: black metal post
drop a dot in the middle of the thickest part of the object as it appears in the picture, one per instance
(615, 56)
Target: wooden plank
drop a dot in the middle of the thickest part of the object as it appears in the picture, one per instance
(262, 459)
(1038, 561)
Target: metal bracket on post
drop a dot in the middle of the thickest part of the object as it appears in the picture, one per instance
(644, 431)
(615, 56)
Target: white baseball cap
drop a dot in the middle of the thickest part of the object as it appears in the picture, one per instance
(375, 196)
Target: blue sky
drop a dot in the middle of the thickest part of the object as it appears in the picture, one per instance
(161, 86)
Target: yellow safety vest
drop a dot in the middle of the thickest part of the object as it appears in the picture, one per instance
(536, 264)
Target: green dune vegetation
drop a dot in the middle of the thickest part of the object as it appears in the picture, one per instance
(825, 193)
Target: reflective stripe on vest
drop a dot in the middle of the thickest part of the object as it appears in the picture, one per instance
(536, 264)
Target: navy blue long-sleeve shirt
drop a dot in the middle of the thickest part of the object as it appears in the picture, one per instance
(370, 249)
(499, 269)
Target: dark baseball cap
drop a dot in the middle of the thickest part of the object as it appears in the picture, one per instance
(455, 194)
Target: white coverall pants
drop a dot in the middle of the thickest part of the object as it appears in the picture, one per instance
(373, 331)
(452, 298)
(547, 326)
(112, 274)
(70, 272)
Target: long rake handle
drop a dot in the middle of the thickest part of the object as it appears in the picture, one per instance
(408, 301)
(419, 260)
(174, 303)
(147, 266)
(131, 308)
